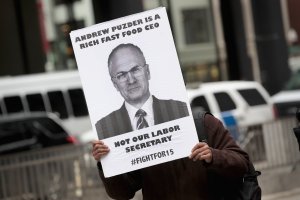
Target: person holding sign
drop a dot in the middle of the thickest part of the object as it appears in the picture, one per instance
(130, 75)
(186, 178)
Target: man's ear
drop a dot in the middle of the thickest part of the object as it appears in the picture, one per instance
(148, 71)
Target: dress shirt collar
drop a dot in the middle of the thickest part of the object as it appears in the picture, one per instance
(147, 107)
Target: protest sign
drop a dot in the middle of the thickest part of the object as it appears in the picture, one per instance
(129, 64)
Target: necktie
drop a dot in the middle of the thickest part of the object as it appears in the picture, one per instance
(141, 122)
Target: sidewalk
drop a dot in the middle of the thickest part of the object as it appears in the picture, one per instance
(293, 194)
(282, 183)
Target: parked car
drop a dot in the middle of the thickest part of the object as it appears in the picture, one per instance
(21, 132)
(287, 101)
(241, 103)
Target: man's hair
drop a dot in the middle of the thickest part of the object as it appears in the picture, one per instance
(125, 46)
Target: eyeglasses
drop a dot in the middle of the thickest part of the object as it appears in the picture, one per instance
(135, 71)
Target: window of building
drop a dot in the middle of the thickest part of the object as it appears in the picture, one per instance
(196, 27)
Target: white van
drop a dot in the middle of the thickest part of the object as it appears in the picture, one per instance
(56, 92)
(241, 103)
(287, 101)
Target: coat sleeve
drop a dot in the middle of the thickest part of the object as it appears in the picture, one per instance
(123, 186)
(229, 160)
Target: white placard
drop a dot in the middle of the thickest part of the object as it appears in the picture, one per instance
(171, 133)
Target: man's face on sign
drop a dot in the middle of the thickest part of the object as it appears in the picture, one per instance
(130, 75)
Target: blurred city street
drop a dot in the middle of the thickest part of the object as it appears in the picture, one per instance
(237, 59)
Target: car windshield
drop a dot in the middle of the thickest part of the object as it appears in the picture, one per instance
(37, 123)
(294, 82)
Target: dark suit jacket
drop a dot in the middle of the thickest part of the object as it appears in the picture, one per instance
(118, 121)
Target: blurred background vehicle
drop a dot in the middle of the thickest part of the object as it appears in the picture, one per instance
(287, 100)
(242, 106)
(57, 92)
(24, 135)
(23, 132)
(247, 101)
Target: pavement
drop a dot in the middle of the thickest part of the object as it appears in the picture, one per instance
(281, 183)
(293, 194)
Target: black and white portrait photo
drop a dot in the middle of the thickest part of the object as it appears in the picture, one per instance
(130, 74)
